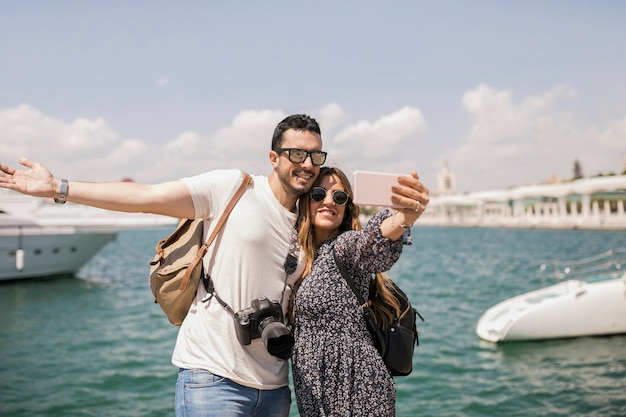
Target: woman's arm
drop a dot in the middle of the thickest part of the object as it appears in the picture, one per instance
(367, 251)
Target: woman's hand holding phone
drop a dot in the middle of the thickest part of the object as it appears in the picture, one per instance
(381, 189)
(404, 193)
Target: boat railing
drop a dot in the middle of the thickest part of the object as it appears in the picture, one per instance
(33, 229)
(606, 265)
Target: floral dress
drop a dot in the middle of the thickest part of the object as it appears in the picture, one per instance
(337, 371)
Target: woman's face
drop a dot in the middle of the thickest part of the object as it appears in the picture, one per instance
(326, 215)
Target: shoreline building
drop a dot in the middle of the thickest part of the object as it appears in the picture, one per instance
(588, 203)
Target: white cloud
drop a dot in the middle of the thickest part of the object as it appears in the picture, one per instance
(24, 127)
(243, 144)
(607, 153)
(513, 143)
(249, 133)
(330, 117)
(85, 135)
(184, 145)
(25, 131)
(390, 134)
(508, 142)
(496, 118)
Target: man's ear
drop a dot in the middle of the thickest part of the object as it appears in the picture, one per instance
(274, 158)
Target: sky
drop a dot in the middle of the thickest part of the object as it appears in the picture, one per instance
(502, 93)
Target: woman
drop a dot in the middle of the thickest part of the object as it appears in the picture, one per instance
(336, 368)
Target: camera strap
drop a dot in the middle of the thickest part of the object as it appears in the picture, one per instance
(290, 265)
(291, 261)
(211, 293)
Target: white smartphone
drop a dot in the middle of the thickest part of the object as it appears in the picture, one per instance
(374, 188)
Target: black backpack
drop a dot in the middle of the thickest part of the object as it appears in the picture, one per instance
(395, 342)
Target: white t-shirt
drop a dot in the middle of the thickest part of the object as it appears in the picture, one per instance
(245, 262)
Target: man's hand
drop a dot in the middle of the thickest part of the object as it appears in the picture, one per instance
(36, 181)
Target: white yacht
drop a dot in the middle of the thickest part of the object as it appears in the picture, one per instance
(39, 238)
(30, 250)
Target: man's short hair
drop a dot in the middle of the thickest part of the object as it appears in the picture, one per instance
(296, 122)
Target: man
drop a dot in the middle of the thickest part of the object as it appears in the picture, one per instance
(219, 376)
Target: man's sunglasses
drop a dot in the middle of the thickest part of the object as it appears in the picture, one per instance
(298, 156)
(319, 194)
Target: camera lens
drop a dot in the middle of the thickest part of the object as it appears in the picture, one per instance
(277, 338)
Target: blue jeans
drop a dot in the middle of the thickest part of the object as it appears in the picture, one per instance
(202, 394)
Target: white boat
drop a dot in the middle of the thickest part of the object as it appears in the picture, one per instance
(588, 300)
(40, 238)
(30, 250)
(45, 212)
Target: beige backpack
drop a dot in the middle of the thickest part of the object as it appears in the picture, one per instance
(176, 269)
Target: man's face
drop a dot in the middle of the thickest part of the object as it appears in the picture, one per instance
(297, 178)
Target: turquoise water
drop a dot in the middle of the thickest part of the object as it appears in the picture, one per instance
(96, 345)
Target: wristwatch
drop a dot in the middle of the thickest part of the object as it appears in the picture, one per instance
(63, 193)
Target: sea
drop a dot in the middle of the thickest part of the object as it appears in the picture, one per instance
(95, 344)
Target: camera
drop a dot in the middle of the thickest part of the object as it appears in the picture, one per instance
(264, 319)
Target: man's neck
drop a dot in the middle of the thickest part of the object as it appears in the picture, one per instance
(284, 197)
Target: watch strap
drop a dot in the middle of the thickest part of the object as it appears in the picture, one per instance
(62, 192)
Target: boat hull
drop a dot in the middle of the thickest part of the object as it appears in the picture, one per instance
(49, 251)
(569, 309)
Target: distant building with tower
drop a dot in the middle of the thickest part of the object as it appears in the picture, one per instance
(586, 203)
(446, 184)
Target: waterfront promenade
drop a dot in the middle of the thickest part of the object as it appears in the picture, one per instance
(590, 203)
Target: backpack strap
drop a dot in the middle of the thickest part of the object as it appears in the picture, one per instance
(365, 309)
(247, 179)
(364, 305)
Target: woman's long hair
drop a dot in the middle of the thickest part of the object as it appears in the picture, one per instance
(382, 283)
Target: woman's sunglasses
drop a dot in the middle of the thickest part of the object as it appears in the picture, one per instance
(319, 194)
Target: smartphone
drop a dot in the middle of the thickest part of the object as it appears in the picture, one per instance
(374, 188)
